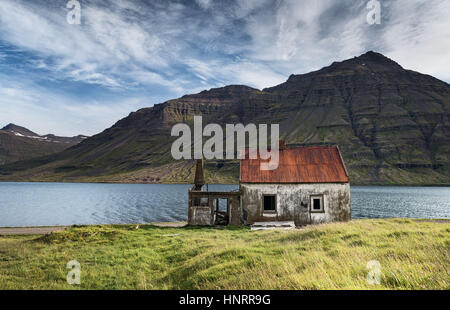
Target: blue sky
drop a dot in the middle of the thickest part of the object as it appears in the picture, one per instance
(80, 79)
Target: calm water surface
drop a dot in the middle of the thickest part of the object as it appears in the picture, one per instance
(41, 204)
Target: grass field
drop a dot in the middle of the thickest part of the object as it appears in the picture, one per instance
(412, 255)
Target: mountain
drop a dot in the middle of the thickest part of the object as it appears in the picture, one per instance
(19, 131)
(19, 143)
(391, 124)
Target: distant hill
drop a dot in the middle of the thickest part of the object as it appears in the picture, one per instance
(391, 124)
(19, 143)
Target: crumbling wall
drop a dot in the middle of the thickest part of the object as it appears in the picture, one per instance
(200, 216)
(293, 202)
(203, 214)
(235, 211)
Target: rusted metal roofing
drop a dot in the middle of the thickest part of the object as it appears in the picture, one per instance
(298, 165)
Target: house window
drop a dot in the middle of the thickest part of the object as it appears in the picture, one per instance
(269, 203)
(317, 203)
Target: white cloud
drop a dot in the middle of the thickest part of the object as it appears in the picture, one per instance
(418, 36)
(127, 38)
(242, 71)
(175, 48)
(96, 52)
(300, 36)
(205, 4)
(43, 112)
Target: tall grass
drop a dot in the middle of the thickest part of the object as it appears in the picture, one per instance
(412, 255)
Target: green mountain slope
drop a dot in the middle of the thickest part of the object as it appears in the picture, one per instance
(391, 124)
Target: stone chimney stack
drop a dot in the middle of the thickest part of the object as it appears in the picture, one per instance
(199, 175)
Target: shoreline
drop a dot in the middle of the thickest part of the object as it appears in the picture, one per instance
(236, 184)
(42, 230)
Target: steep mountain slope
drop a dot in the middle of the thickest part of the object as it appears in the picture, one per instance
(391, 124)
(19, 143)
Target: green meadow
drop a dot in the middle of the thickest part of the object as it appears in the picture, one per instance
(412, 255)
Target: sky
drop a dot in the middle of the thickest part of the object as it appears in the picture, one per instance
(70, 79)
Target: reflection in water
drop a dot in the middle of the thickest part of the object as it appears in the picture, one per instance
(39, 204)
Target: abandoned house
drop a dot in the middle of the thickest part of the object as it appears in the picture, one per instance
(310, 186)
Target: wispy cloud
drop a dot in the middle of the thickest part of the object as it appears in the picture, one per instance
(165, 48)
(422, 40)
(98, 52)
(42, 112)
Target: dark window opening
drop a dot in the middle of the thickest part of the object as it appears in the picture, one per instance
(316, 204)
(269, 203)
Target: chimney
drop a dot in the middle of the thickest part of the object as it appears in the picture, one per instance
(199, 176)
(282, 145)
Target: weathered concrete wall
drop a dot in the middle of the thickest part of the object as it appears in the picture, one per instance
(293, 202)
(204, 215)
(200, 216)
(235, 211)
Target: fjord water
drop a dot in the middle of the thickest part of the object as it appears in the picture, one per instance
(46, 204)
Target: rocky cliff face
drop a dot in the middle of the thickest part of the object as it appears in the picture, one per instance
(391, 124)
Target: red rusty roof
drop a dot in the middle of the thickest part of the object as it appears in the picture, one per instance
(298, 165)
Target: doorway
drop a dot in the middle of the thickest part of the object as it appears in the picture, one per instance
(221, 211)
